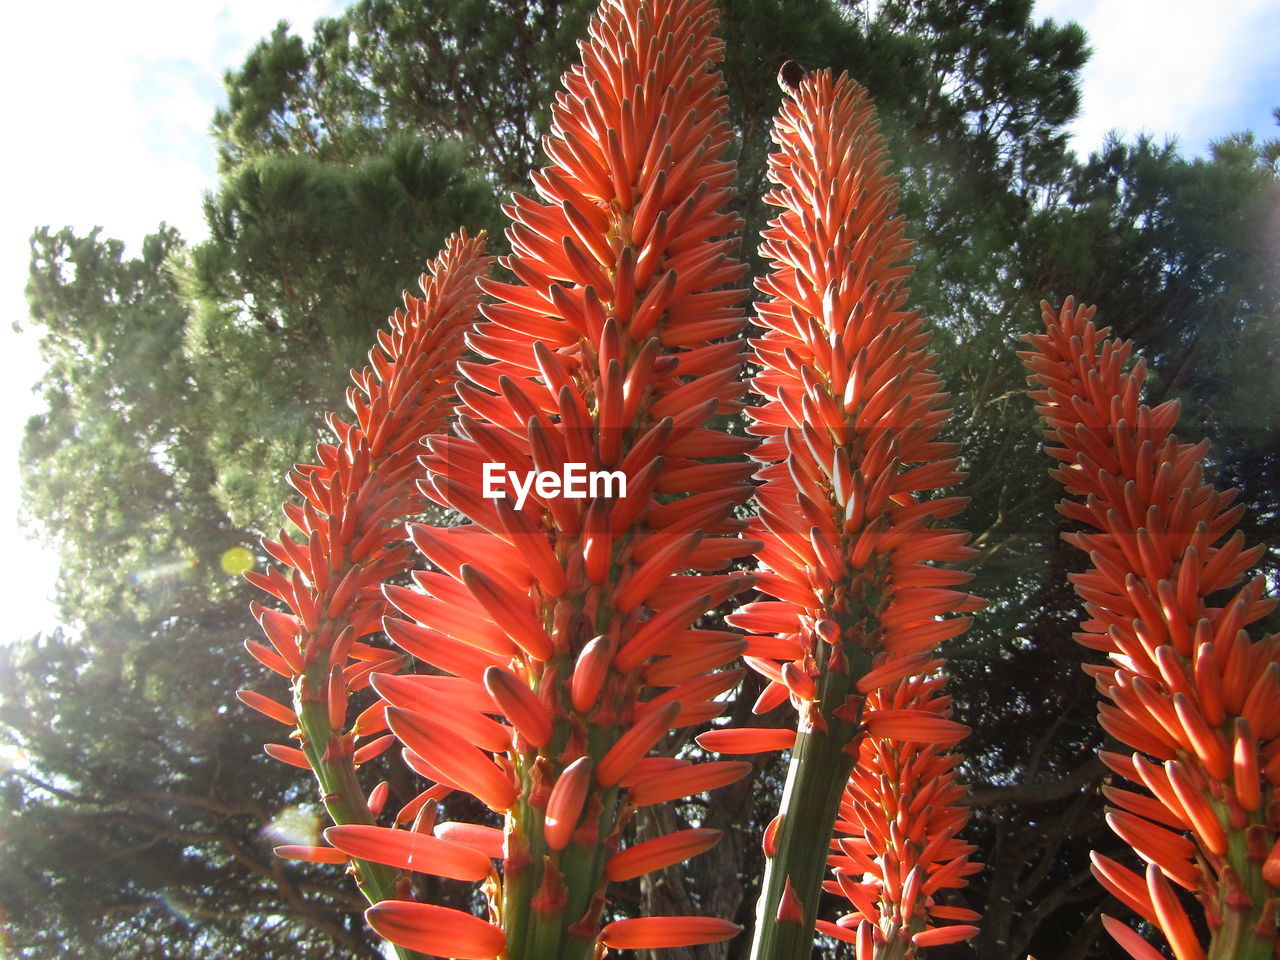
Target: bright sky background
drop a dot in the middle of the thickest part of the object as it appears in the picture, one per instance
(110, 106)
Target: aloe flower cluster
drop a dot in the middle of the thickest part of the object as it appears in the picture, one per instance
(548, 651)
(896, 843)
(847, 534)
(1186, 687)
(351, 523)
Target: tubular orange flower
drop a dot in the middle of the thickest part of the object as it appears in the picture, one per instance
(488, 840)
(565, 802)
(685, 781)
(607, 356)
(938, 936)
(439, 931)
(377, 799)
(523, 710)
(1138, 948)
(660, 852)
(1189, 686)
(409, 851)
(465, 764)
(912, 725)
(653, 933)
(354, 502)
(747, 740)
(291, 851)
(854, 409)
(899, 816)
(268, 707)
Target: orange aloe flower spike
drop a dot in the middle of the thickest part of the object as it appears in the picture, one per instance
(901, 810)
(610, 354)
(1188, 686)
(850, 451)
(355, 500)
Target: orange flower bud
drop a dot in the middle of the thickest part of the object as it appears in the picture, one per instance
(440, 931)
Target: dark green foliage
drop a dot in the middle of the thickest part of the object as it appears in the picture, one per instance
(486, 71)
(302, 265)
(1175, 254)
(973, 98)
(138, 815)
(116, 470)
(137, 796)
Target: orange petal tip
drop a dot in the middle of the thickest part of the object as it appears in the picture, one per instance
(1133, 944)
(294, 851)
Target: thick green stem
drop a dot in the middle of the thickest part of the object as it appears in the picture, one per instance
(810, 802)
(344, 799)
(1244, 908)
(548, 893)
(1237, 940)
(820, 766)
(550, 932)
(895, 946)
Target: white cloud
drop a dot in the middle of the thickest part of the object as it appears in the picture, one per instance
(119, 103)
(1174, 67)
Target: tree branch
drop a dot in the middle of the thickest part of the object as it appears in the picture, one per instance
(1041, 791)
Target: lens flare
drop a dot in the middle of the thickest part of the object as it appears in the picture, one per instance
(237, 561)
(296, 824)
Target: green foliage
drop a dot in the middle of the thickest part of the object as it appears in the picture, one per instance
(485, 70)
(134, 822)
(116, 470)
(134, 816)
(292, 283)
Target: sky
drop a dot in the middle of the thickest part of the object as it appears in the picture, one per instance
(110, 105)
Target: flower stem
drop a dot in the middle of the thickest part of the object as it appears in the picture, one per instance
(820, 766)
(550, 905)
(1242, 910)
(549, 892)
(815, 780)
(344, 799)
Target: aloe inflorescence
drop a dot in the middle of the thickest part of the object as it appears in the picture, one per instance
(1186, 687)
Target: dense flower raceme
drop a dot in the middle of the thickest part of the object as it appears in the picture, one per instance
(561, 630)
(1186, 687)
(351, 518)
(847, 544)
(896, 842)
